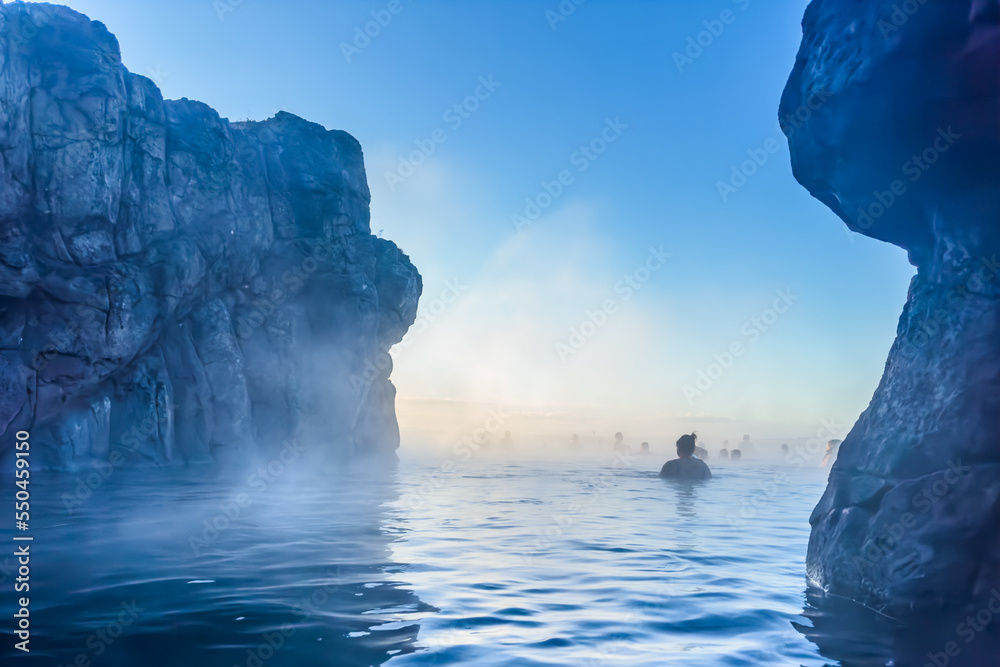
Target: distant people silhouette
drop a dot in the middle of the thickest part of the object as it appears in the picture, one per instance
(747, 446)
(644, 449)
(574, 442)
(736, 455)
(620, 442)
(685, 466)
(723, 453)
(701, 452)
(506, 442)
(832, 449)
(784, 449)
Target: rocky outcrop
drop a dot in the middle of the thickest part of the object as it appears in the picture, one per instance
(893, 119)
(176, 287)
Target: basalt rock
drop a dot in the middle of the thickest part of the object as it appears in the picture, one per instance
(892, 114)
(175, 287)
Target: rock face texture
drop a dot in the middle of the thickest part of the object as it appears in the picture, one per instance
(175, 287)
(892, 114)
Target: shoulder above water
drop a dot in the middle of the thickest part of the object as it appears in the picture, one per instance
(685, 469)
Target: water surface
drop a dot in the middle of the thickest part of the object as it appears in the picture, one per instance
(589, 560)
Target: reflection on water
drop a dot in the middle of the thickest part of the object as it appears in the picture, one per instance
(528, 563)
(162, 568)
(861, 637)
(580, 562)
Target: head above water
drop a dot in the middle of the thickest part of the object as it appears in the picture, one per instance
(736, 455)
(686, 445)
(644, 446)
(723, 453)
(619, 436)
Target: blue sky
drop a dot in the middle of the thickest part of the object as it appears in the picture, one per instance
(609, 68)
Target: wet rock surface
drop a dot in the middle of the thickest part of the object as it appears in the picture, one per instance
(893, 117)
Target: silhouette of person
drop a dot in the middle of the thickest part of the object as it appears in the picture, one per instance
(685, 466)
(747, 446)
(644, 449)
(575, 442)
(784, 449)
(506, 442)
(701, 453)
(723, 453)
(736, 455)
(620, 442)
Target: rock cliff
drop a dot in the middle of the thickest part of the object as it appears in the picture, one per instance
(892, 114)
(175, 287)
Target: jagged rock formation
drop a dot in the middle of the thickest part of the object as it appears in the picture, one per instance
(175, 287)
(893, 118)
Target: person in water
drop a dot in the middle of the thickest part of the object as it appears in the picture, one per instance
(701, 452)
(574, 442)
(723, 453)
(685, 466)
(736, 455)
(644, 449)
(506, 443)
(620, 442)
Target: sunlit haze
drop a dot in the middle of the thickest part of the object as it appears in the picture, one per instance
(556, 180)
